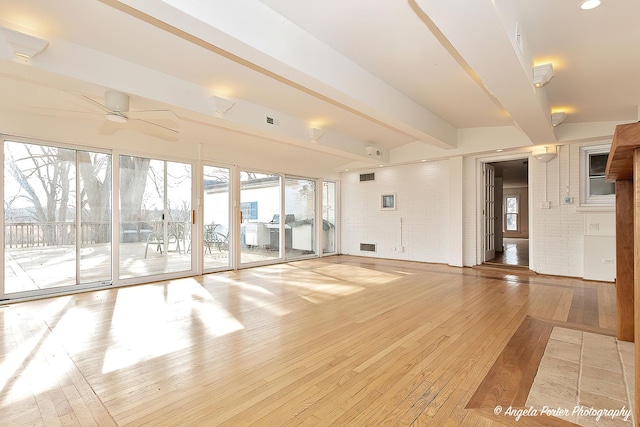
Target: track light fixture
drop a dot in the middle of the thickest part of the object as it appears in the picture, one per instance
(542, 74)
(222, 105)
(558, 118)
(23, 45)
(315, 134)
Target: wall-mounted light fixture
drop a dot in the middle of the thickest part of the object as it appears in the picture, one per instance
(589, 4)
(545, 157)
(222, 105)
(372, 150)
(558, 118)
(315, 134)
(542, 74)
(23, 45)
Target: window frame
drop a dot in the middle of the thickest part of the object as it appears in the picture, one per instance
(586, 199)
(507, 213)
(250, 208)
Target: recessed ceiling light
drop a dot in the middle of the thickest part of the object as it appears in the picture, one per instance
(499, 150)
(589, 4)
(346, 170)
(423, 160)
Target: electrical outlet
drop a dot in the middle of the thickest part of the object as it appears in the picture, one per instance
(401, 249)
(607, 261)
(545, 205)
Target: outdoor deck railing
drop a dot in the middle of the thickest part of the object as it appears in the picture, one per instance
(36, 234)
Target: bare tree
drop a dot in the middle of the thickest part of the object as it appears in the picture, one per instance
(134, 172)
(45, 182)
(95, 175)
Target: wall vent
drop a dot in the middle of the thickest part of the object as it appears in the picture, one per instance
(273, 121)
(368, 247)
(367, 177)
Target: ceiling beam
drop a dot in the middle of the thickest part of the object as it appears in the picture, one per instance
(483, 34)
(255, 36)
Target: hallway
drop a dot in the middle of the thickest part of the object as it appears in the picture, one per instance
(516, 252)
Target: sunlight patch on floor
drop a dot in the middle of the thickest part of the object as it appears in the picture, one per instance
(18, 363)
(158, 326)
(361, 275)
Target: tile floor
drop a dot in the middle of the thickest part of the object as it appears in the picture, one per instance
(581, 373)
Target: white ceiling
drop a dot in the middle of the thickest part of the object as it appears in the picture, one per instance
(414, 78)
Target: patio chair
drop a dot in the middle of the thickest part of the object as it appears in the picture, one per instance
(213, 238)
(157, 240)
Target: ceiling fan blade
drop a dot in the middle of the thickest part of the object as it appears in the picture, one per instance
(157, 125)
(109, 128)
(96, 104)
(61, 112)
(155, 115)
(154, 129)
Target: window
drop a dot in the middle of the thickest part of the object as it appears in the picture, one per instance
(594, 190)
(511, 212)
(249, 210)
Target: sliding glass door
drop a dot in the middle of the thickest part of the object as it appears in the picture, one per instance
(217, 224)
(57, 217)
(329, 217)
(155, 217)
(300, 211)
(260, 218)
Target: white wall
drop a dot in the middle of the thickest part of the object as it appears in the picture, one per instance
(422, 204)
(560, 246)
(557, 233)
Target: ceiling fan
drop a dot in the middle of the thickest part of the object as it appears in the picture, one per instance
(160, 123)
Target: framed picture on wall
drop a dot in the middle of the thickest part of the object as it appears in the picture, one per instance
(388, 202)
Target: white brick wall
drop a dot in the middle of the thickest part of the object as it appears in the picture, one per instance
(422, 202)
(471, 206)
(556, 234)
(559, 246)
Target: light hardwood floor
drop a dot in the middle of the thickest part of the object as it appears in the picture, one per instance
(333, 341)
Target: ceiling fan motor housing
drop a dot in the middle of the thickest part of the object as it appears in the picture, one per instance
(116, 101)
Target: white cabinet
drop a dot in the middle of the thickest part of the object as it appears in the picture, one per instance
(256, 234)
(302, 237)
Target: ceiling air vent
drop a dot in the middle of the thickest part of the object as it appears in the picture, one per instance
(272, 121)
(367, 177)
(368, 247)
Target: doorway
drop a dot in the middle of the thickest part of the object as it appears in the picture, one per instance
(508, 220)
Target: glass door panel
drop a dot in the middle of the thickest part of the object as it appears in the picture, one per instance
(51, 240)
(329, 217)
(39, 217)
(155, 217)
(260, 227)
(216, 199)
(141, 222)
(179, 216)
(300, 212)
(95, 217)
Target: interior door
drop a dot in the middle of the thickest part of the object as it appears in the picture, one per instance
(489, 211)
